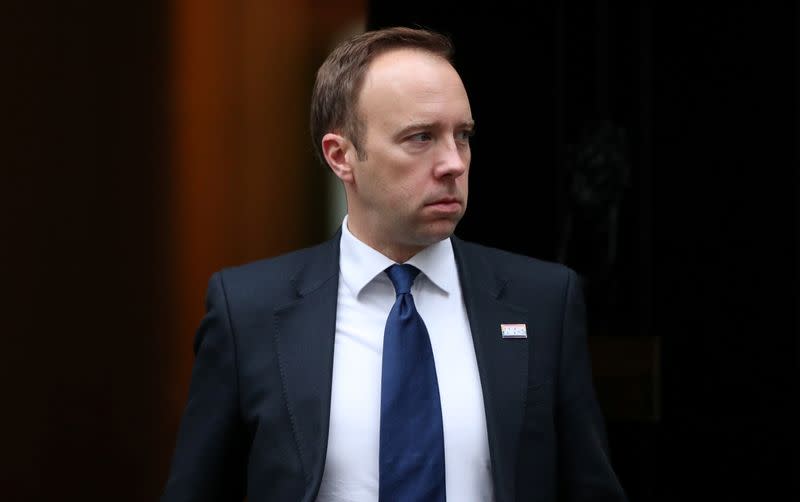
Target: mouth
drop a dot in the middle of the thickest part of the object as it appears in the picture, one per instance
(445, 205)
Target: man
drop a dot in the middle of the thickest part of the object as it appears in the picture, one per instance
(395, 361)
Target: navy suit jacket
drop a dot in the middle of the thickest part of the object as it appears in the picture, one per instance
(256, 422)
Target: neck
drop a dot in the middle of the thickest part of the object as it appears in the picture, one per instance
(399, 253)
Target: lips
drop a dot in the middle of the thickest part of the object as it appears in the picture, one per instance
(445, 205)
(444, 200)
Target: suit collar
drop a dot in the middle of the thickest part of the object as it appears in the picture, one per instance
(502, 363)
(473, 268)
(304, 333)
(321, 266)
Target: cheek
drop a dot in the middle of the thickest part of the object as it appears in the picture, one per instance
(464, 177)
(405, 180)
(404, 191)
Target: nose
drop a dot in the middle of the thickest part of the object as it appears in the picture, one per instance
(453, 159)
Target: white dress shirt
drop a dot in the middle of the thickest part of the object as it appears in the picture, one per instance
(366, 296)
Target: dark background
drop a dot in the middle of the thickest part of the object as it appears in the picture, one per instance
(680, 120)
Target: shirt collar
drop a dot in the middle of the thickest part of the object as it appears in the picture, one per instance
(360, 264)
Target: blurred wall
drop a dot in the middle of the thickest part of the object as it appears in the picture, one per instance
(149, 144)
(244, 184)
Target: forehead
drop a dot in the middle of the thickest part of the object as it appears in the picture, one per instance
(404, 85)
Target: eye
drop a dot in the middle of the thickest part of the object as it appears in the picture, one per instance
(421, 137)
(465, 135)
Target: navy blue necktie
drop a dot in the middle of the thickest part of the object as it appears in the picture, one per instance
(412, 436)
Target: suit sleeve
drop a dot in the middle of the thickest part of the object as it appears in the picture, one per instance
(209, 459)
(585, 471)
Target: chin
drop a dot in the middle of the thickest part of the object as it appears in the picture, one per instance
(438, 230)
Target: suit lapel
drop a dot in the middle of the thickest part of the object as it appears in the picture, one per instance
(304, 336)
(502, 363)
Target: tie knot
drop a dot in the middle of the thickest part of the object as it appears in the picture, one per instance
(402, 277)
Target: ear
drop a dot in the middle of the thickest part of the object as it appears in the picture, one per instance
(335, 148)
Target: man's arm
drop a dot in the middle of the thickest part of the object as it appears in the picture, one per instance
(209, 459)
(585, 471)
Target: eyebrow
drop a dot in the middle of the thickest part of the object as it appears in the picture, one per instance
(470, 124)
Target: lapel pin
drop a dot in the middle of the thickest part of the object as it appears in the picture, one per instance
(514, 330)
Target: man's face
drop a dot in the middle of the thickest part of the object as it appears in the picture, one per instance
(409, 189)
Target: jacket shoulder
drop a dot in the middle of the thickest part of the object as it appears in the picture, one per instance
(514, 265)
(284, 265)
(276, 280)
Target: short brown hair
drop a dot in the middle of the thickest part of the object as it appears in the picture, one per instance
(334, 99)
